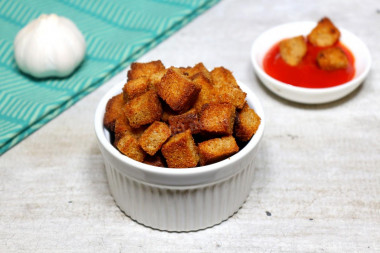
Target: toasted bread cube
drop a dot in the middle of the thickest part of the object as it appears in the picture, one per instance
(144, 69)
(332, 59)
(177, 91)
(180, 151)
(200, 68)
(155, 79)
(217, 118)
(226, 88)
(154, 136)
(246, 124)
(129, 146)
(136, 87)
(217, 149)
(122, 128)
(222, 76)
(143, 109)
(183, 70)
(325, 34)
(167, 112)
(114, 109)
(207, 93)
(192, 71)
(185, 121)
(293, 50)
(156, 160)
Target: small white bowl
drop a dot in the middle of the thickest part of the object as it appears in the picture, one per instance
(179, 199)
(309, 95)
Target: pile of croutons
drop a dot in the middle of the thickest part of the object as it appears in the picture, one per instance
(180, 117)
(324, 35)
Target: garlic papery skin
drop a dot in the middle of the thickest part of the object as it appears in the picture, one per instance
(49, 46)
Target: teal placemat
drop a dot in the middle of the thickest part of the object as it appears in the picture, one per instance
(116, 33)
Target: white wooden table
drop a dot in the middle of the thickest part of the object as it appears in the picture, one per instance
(317, 185)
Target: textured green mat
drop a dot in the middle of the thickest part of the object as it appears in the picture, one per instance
(116, 32)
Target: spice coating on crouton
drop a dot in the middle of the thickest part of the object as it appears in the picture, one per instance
(217, 118)
(180, 151)
(114, 109)
(136, 87)
(155, 79)
(129, 146)
(182, 122)
(177, 91)
(143, 109)
(154, 137)
(332, 59)
(292, 50)
(207, 93)
(217, 149)
(198, 68)
(226, 88)
(156, 160)
(325, 34)
(167, 112)
(144, 69)
(247, 123)
(122, 128)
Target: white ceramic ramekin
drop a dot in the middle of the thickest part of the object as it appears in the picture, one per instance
(309, 95)
(179, 199)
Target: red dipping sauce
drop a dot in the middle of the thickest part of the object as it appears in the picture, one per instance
(307, 74)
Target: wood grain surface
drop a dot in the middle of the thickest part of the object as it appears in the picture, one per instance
(317, 183)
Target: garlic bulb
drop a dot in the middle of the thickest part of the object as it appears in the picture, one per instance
(49, 46)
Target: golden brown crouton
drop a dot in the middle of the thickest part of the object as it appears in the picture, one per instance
(155, 79)
(143, 109)
(177, 91)
(325, 34)
(217, 149)
(222, 77)
(144, 69)
(217, 118)
(180, 151)
(182, 122)
(135, 87)
(332, 59)
(182, 70)
(154, 136)
(166, 113)
(156, 160)
(293, 50)
(226, 88)
(199, 68)
(207, 93)
(122, 127)
(114, 108)
(129, 146)
(247, 123)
